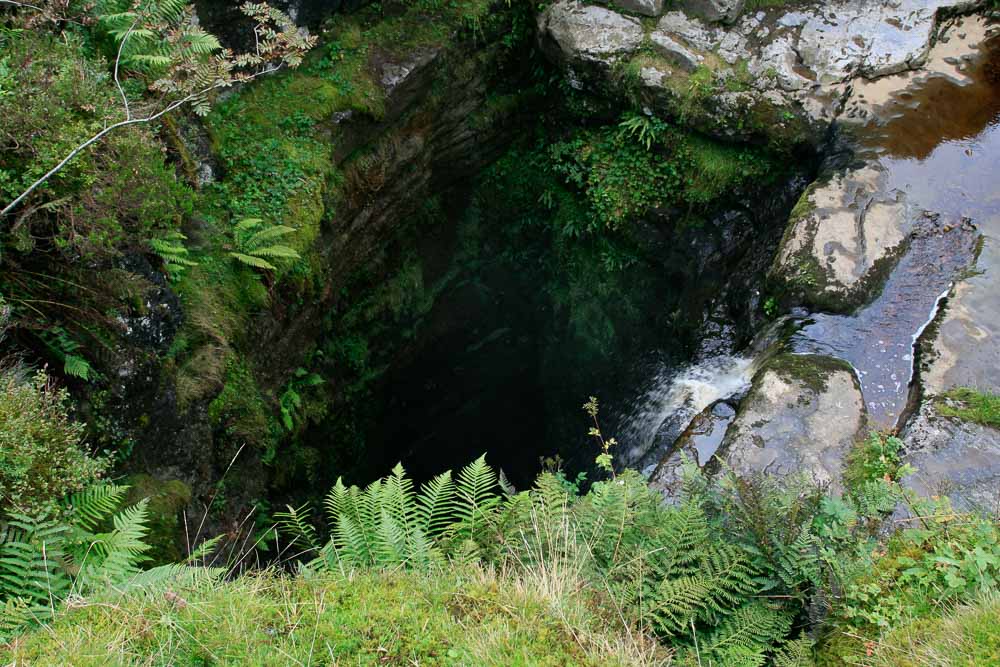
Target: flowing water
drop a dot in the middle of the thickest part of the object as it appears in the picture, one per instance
(936, 137)
(936, 134)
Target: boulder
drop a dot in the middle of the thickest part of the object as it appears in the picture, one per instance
(802, 416)
(795, 66)
(847, 228)
(725, 11)
(589, 33)
(644, 7)
(953, 458)
(670, 48)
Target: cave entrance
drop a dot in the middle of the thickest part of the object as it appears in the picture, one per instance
(505, 306)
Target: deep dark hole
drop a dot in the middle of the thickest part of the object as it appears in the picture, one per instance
(499, 365)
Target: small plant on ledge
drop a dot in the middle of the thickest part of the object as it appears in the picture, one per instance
(256, 243)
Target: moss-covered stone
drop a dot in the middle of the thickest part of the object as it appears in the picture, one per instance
(167, 500)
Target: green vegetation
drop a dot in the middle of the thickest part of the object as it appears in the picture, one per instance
(462, 569)
(42, 456)
(45, 558)
(465, 616)
(467, 569)
(971, 405)
(965, 636)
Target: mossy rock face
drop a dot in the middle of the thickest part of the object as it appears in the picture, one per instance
(802, 416)
(167, 499)
(843, 238)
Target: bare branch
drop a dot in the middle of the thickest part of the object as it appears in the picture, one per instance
(21, 4)
(118, 59)
(123, 123)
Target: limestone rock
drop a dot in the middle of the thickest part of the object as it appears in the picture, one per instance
(675, 51)
(955, 459)
(590, 33)
(802, 415)
(725, 11)
(951, 457)
(797, 64)
(846, 227)
(644, 7)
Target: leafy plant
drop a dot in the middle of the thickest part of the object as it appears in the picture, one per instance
(290, 402)
(389, 523)
(47, 555)
(255, 243)
(645, 129)
(42, 454)
(170, 248)
(58, 340)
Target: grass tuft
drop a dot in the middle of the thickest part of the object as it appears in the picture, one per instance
(971, 405)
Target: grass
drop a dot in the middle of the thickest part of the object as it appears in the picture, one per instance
(971, 405)
(967, 636)
(465, 616)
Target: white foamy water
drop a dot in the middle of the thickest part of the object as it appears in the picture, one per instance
(673, 398)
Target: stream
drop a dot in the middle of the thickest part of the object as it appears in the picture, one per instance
(932, 139)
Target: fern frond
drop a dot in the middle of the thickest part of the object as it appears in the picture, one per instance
(296, 522)
(255, 262)
(95, 504)
(476, 490)
(436, 504)
(280, 251)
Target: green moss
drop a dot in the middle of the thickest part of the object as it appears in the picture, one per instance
(804, 206)
(970, 405)
(167, 499)
(239, 409)
(810, 370)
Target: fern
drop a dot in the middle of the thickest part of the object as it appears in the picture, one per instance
(390, 523)
(296, 522)
(477, 496)
(94, 504)
(796, 653)
(172, 252)
(32, 569)
(112, 558)
(255, 244)
(751, 630)
(436, 504)
(45, 557)
(59, 342)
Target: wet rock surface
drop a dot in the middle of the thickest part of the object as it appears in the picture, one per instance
(802, 416)
(776, 71)
(698, 444)
(953, 458)
(888, 233)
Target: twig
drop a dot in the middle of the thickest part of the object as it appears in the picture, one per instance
(123, 123)
(21, 4)
(118, 58)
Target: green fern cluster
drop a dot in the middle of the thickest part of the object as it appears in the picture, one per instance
(256, 244)
(50, 554)
(139, 30)
(390, 523)
(170, 248)
(726, 599)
